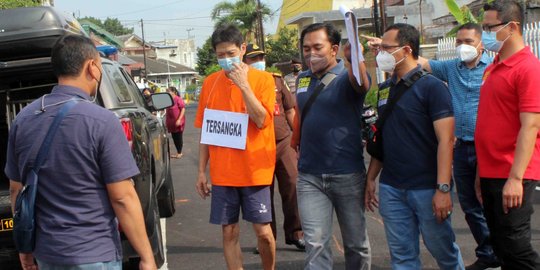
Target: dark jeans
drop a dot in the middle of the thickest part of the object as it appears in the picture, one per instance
(178, 141)
(464, 177)
(510, 233)
(286, 173)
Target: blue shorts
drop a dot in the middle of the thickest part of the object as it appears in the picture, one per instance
(227, 201)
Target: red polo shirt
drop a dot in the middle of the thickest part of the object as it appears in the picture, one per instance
(509, 88)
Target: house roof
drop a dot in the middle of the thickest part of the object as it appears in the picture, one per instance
(107, 36)
(159, 66)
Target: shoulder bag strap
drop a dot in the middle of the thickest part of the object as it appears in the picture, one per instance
(326, 80)
(408, 83)
(46, 145)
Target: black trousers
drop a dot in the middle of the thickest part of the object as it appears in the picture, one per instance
(510, 233)
(286, 173)
(178, 141)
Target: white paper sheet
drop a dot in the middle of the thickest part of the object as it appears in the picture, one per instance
(352, 33)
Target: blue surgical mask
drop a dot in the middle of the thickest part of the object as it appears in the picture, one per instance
(490, 41)
(261, 65)
(227, 63)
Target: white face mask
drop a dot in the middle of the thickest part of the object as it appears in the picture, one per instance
(467, 53)
(386, 61)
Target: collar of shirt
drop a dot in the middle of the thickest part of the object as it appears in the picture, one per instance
(336, 70)
(485, 59)
(406, 76)
(515, 58)
(71, 91)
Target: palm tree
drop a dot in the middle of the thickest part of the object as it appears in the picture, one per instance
(242, 13)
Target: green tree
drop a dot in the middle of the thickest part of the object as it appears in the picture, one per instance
(283, 47)
(111, 25)
(7, 4)
(242, 13)
(206, 57)
(462, 15)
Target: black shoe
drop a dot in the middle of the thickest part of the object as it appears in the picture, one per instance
(481, 265)
(300, 243)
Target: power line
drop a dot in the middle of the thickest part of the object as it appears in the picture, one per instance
(173, 19)
(290, 12)
(143, 10)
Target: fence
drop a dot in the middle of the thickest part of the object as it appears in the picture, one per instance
(446, 47)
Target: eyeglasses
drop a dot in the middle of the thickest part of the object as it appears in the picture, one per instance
(384, 47)
(487, 28)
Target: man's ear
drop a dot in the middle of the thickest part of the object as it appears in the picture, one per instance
(93, 69)
(335, 50)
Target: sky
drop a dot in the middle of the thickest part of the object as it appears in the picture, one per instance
(162, 18)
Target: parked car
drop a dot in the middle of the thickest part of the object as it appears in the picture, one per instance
(26, 38)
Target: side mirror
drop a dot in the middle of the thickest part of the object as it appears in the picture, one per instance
(161, 101)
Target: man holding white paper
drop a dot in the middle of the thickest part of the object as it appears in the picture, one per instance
(236, 109)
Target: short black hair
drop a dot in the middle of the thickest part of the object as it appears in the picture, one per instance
(407, 35)
(333, 34)
(227, 33)
(69, 54)
(471, 26)
(507, 11)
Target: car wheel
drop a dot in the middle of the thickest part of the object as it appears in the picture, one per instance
(166, 198)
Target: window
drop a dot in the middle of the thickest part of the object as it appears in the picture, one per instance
(119, 84)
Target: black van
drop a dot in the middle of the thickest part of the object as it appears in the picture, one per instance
(26, 39)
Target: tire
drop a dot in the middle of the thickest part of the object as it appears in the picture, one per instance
(166, 198)
(157, 244)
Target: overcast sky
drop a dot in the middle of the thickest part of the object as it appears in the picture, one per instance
(161, 17)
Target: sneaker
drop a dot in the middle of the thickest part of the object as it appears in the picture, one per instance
(481, 265)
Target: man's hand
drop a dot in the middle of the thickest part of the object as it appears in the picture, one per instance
(27, 261)
(239, 75)
(442, 205)
(202, 186)
(512, 194)
(370, 201)
(146, 265)
(373, 43)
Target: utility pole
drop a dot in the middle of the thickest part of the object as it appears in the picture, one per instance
(376, 18)
(421, 24)
(189, 32)
(383, 15)
(260, 22)
(143, 47)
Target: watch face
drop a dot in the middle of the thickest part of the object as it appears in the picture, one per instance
(444, 187)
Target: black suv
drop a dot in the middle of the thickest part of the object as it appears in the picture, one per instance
(26, 38)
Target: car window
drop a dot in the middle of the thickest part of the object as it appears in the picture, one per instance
(137, 94)
(119, 84)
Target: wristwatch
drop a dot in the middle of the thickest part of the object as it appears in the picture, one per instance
(445, 188)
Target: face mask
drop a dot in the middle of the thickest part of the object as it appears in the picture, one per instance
(386, 61)
(227, 63)
(490, 40)
(296, 69)
(261, 65)
(318, 63)
(467, 53)
(98, 84)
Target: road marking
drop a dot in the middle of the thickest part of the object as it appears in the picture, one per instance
(182, 200)
(376, 219)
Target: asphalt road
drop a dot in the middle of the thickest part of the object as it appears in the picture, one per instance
(193, 243)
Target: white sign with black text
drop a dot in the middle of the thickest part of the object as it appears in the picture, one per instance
(226, 129)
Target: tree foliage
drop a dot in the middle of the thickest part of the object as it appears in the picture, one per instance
(206, 57)
(7, 4)
(242, 13)
(462, 15)
(283, 47)
(111, 25)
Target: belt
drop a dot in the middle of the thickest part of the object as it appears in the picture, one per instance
(460, 141)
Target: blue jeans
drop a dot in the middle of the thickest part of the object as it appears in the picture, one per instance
(406, 214)
(464, 177)
(318, 196)
(114, 265)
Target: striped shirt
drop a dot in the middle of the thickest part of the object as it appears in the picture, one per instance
(464, 84)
